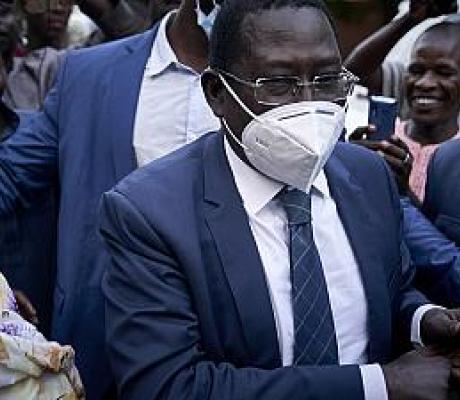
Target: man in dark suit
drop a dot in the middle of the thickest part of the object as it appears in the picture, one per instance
(442, 201)
(85, 139)
(226, 283)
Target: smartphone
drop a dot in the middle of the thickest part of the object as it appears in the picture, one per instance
(382, 114)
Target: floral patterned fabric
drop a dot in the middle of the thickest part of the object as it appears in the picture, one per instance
(30, 366)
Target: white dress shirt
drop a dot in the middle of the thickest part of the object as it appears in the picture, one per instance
(172, 110)
(268, 223)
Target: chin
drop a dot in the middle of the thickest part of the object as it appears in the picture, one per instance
(425, 119)
(427, 114)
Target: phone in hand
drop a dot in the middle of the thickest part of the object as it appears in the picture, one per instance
(382, 114)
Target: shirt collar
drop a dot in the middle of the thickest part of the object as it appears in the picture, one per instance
(321, 185)
(162, 55)
(256, 189)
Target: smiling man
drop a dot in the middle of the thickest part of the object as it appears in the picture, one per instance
(432, 82)
(243, 266)
(432, 91)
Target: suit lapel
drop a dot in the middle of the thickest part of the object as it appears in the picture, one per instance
(228, 222)
(125, 82)
(357, 218)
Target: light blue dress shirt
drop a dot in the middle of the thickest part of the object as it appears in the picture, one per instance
(172, 110)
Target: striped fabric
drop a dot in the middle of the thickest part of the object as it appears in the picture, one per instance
(314, 335)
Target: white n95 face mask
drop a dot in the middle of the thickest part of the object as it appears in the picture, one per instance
(291, 143)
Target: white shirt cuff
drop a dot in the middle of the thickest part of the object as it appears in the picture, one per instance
(374, 384)
(415, 334)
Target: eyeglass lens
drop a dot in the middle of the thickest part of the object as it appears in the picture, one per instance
(286, 90)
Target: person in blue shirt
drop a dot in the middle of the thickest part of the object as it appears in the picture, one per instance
(442, 201)
(435, 257)
(27, 236)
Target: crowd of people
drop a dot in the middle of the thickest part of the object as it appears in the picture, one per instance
(183, 214)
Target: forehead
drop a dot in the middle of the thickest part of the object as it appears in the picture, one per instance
(38, 6)
(291, 38)
(440, 45)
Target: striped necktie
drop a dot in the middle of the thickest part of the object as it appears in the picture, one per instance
(314, 335)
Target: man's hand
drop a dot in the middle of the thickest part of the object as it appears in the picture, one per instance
(394, 151)
(418, 376)
(419, 10)
(25, 307)
(440, 329)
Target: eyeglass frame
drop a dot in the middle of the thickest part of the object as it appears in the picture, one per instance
(350, 77)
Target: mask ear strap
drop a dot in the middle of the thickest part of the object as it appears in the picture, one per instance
(237, 99)
(230, 131)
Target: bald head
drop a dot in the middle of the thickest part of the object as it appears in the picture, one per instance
(444, 36)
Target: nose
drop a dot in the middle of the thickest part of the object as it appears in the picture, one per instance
(305, 93)
(426, 81)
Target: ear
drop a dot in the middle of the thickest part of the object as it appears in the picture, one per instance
(214, 91)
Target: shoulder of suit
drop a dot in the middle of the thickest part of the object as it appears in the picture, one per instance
(105, 51)
(175, 169)
(449, 150)
(363, 164)
(356, 155)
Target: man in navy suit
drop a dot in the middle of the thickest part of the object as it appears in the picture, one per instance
(96, 128)
(216, 288)
(442, 201)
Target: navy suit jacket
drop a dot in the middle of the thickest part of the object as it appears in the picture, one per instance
(188, 311)
(82, 139)
(442, 195)
(435, 257)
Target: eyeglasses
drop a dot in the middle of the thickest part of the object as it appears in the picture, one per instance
(279, 90)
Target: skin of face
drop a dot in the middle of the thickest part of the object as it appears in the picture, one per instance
(432, 81)
(278, 42)
(51, 23)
